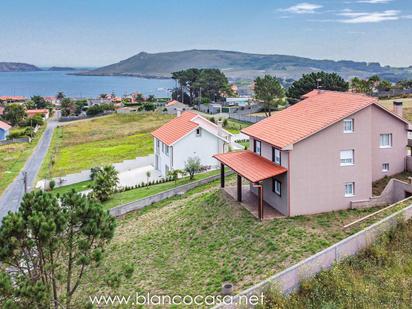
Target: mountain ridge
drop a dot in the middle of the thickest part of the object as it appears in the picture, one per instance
(242, 65)
(18, 67)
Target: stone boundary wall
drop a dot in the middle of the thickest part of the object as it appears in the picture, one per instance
(81, 117)
(147, 201)
(289, 279)
(16, 140)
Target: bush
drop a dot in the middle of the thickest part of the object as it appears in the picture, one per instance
(52, 184)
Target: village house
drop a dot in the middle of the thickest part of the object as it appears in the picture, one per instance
(42, 112)
(4, 130)
(173, 107)
(189, 135)
(321, 154)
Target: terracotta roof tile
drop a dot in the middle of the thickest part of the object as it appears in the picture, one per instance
(318, 111)
(176, 128)
(250, 165)
(4, 125)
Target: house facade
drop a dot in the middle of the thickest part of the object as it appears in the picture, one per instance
(188, 135)
(4, 130)
(331, 146)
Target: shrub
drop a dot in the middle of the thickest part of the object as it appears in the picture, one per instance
(52, 184)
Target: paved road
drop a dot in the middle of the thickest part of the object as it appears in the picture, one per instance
(12, 196)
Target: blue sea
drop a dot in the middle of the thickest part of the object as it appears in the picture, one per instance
(48, 83)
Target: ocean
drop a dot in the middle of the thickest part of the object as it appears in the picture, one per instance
(48, 83)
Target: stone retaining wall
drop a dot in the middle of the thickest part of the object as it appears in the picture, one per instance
(144, 202)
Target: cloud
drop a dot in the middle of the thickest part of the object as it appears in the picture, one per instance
(302, 8)
(353, 17)
(374, 1)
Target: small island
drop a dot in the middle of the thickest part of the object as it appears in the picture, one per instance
(17, 67)
(61, 69)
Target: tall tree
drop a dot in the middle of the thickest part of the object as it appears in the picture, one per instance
(39, 101)
(47, 246)
(269, 90)
(14, 113)
(187, 79)
(68, 107)
(308, 82)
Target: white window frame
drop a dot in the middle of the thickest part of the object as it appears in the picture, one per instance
(277, 187)
(385, 167)
(345, 121)
(344, 158)
(383, 145)
(277, 156)
(352, 191)
(255, 146)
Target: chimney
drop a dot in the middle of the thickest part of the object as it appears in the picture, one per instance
(178, 112)
(398, 108)
(220, 127)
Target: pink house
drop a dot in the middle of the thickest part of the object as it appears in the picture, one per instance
(321, 154)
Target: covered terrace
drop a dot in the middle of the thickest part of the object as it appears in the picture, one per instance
(253, 168)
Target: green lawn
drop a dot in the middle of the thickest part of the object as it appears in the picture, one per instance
(78, 187)
(139, 193)
(234, 126)
(191, 244)
(13, 157)
(85, 144)
(379, 277)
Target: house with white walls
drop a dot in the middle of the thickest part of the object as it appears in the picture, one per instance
(189, 135)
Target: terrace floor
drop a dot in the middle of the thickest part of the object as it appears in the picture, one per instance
(250, 203)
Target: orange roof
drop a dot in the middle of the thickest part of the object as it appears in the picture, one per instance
(4, 125)
(13, 98)
(32, 112)
(1, 110)
(250, 165)
(173, 102)
(311, 115)
(176, 128)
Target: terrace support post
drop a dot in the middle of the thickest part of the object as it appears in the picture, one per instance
(222, 175)
(260, 201)
(239, 188)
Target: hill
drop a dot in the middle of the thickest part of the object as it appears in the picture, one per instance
(237, 65)
(17, 67)
(61, 69)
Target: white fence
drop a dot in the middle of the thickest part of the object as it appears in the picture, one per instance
(289, 279)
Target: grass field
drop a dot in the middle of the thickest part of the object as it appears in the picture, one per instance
(134, 194)
(191, 244)
(12, 159)
(234, 126)
(379, 277)
(85, 144)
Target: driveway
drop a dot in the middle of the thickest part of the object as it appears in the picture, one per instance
(12, 196)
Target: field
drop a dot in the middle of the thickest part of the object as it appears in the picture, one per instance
(407, 106)
(379, 277)
(191, 244)
(234, 126)
(85, 144)
(12, 159)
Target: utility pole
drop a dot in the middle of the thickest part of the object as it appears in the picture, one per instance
(25, 181)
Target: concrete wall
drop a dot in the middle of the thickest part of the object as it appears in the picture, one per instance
(383, 122)
(16, 140)
(409, 163)
(289, 279)
(139, 204)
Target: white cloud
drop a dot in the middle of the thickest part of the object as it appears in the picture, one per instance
(303, 8)
(353, 17)
(374, 1)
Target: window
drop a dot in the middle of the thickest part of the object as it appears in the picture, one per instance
(277, 187)
(258, 147)
(346, 157)
(163, 147)
(348, 126)
(276, 156)
(385, 167)
(198, 132)
(167, 150)
(385, 140)
(349, 189)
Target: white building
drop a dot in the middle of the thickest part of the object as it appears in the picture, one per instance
(189, 135)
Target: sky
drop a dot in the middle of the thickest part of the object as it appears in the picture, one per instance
(99, 32)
